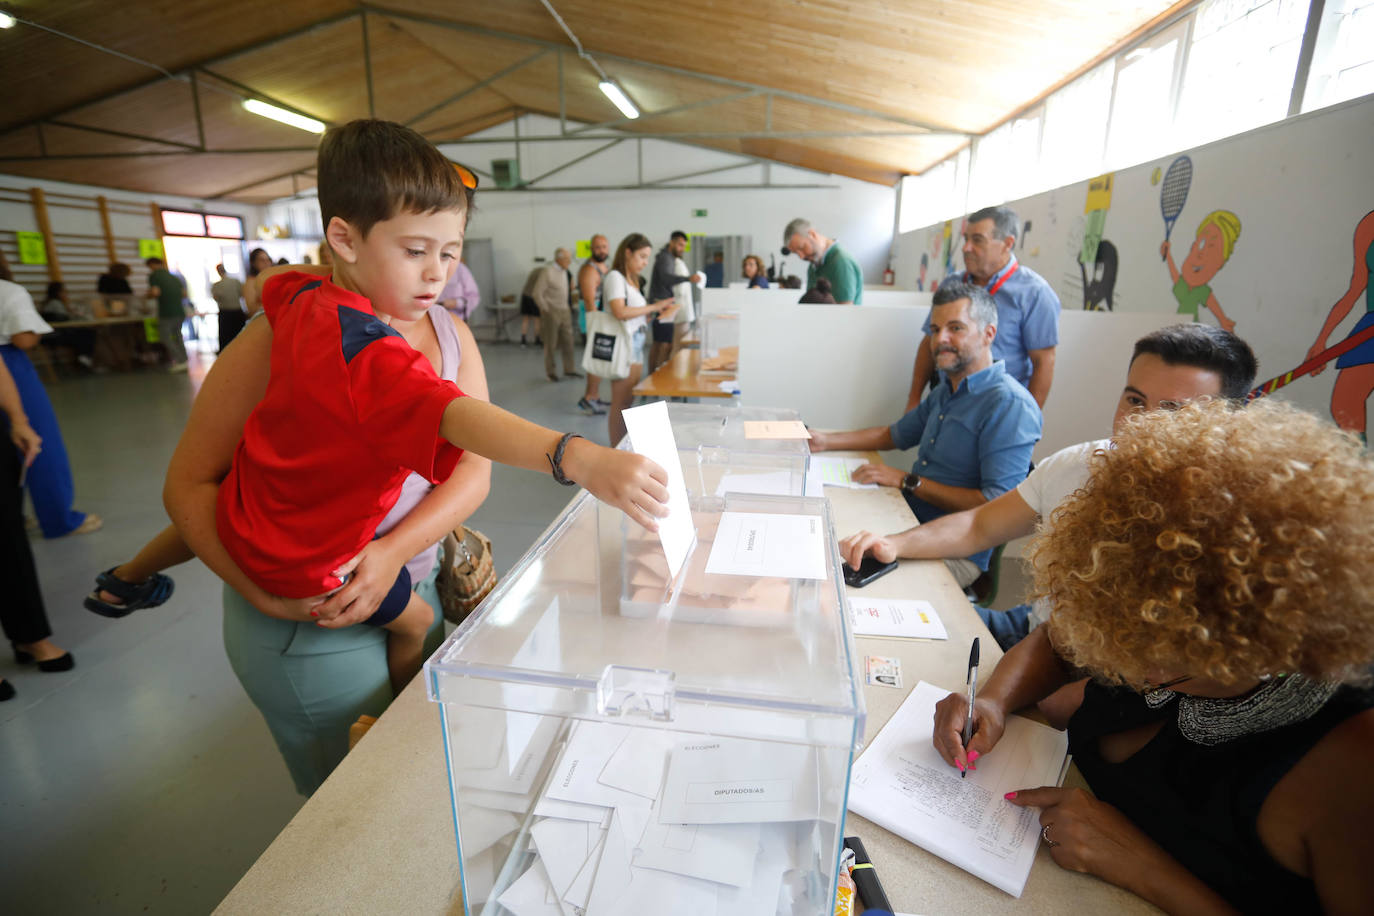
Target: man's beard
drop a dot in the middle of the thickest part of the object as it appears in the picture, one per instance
(600, 258)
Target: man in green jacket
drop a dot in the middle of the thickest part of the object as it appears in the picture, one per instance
(826, 259)
(169, 292)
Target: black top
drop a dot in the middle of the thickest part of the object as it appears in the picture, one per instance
(109, 283)
(1201, 803)
(661, 286)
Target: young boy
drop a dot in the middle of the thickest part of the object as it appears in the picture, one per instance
(351, 408)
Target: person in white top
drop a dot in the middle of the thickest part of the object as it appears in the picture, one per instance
(620, 292)
(1168, 368)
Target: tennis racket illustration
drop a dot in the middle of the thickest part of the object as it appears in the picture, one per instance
(1173, 192)
(1321, 359)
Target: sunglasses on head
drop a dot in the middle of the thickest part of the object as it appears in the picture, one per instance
(466, 175)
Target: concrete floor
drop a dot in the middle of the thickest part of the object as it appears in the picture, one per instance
(144, 781)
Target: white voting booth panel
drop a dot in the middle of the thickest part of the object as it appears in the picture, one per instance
(734, 300)
(841, 367)
(847, 368)
(620, 740)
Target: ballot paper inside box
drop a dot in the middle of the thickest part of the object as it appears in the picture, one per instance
(613, 752)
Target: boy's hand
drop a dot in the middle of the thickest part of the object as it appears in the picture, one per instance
(630, 482)
(374, 572)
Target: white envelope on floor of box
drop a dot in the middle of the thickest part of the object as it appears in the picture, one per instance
(621, 889)
(731, 781)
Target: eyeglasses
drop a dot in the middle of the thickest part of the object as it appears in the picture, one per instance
(466, 175)
(1152, 689)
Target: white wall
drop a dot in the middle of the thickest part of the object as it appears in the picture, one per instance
(1299, 188)
(526, 225)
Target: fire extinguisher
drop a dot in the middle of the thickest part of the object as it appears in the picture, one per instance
(888, 276)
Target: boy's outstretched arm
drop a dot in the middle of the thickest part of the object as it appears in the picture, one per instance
(630, 482)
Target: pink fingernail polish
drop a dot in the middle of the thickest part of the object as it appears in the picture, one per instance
(314, 614)
(960, 765)
(1010, 796)
(972, 756)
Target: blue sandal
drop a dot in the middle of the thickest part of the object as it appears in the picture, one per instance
(155, 590)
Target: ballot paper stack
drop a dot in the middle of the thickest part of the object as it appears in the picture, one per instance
(634, 821)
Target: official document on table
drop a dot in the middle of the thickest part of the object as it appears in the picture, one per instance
(901, 783)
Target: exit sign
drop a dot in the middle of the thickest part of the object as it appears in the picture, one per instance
(698, 212)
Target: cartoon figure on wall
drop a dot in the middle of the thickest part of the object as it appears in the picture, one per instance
(1216, 241)
(1213, 247)
(1355, 365)
(1098, 289)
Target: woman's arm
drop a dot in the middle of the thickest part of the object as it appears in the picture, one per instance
(21, 433)
(232, 388)
(1030, 671)
(25, 340)
(624, 312)
(445, 507)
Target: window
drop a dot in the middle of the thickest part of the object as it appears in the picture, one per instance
(1076, 129)
(1241, 63)
(934, 195)
(1143, 100)
(1343, 60)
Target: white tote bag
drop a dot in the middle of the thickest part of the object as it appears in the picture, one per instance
(607, 354)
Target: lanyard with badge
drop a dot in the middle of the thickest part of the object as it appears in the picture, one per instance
(992, 290)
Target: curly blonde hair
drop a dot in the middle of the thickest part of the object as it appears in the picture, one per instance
(1218, 542)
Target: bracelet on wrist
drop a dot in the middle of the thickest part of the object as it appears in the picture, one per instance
(556, 460)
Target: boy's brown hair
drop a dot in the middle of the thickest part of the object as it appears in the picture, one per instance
(369, 171)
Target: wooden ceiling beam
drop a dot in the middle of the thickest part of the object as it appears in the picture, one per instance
(476, 87)
(144, 138)
(665, 68)
(676, 109)
(249, 90)
(182, 73)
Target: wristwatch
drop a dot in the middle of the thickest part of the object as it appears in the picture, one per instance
(910, 483)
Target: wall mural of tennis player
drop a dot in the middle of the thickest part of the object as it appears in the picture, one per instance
(1354, 355)
(1217, 235)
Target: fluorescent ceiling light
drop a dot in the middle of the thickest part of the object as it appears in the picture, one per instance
(284, 116)
(6, 21)
(619, 99)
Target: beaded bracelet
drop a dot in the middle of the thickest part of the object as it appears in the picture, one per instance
(556, 460)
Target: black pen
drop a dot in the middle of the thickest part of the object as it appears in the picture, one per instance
(972, 682)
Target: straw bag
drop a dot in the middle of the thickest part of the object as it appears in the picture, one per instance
(467, 574)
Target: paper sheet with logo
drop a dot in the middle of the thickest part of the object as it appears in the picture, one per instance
(895, 617)
(775, 429)
(901, 783)
(835, 471)
(651, 435)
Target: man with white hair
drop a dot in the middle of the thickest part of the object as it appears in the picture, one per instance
(553, 294)
(825, 258)
(976, 430)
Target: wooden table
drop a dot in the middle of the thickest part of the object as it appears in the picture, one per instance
(681, 377)
(117, 337)
(378, 835)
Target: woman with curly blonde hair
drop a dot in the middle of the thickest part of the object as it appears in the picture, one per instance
(1211, 578)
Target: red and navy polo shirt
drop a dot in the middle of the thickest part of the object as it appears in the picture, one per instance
(350, 410)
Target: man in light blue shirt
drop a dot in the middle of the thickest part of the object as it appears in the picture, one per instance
(1027, 308)
(975, 431)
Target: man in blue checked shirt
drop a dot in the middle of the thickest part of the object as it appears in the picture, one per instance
(975, 430)
(1027, 309)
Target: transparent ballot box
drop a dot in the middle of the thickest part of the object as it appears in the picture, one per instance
(620, 741)
(720, 343)
(717, 457)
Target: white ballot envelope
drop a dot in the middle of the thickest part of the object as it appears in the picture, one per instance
(730, 781)
(651, 435)
(895, 617)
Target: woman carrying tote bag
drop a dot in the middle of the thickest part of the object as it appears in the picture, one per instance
(625, 304)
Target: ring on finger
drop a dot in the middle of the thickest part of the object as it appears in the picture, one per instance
(1045, 835)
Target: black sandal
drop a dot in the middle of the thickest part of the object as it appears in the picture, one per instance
(151, 592)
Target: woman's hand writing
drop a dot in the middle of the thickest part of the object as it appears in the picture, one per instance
(989, 720)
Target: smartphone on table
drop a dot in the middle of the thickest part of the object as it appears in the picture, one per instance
(868, 570)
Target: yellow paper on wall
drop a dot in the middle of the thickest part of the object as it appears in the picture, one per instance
(1099, 193)
(150, 248)
(32, 249)
(584, 249)
(150, 333)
